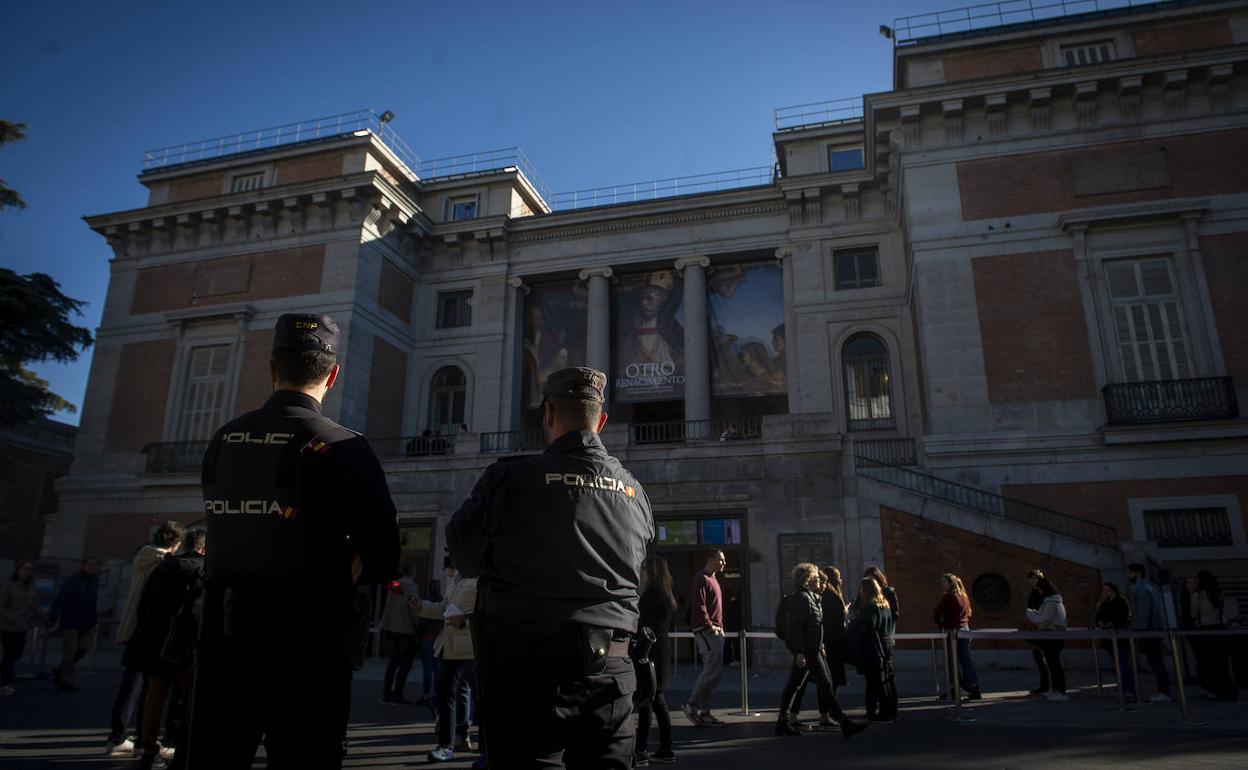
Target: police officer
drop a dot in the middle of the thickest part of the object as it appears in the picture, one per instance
(557, 541)
(298, 513)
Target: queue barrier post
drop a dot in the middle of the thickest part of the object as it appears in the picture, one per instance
(935, 668)
(95, 643)
(1178, 674)
(745, 675)
(1113, 643)
(1135, 671)
(1096, 665)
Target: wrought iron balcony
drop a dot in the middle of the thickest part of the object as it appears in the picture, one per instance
(678, 432)
(513, 441)
(416, 446)
(1206, 398)
(175, 456)
(893, 451)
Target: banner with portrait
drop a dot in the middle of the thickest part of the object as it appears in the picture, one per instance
(649, 337)
(745, 305)
(554, 333)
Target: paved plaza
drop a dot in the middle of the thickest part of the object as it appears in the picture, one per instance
(42, 728)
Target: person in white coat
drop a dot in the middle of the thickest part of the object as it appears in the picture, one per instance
(1051, 616)
(455, 670)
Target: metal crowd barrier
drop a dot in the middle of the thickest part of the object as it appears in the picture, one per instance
(948, 642)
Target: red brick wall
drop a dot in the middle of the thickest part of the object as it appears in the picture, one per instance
(918, 551)
(1028, 184)
(394, 293)
(992, 61)
(1106, 501)
(254, 385)
(1226, 269)
(195, 187)
(283, 273)
(387, 385)
(137, 417)
(120, 535)
(1172, 38)
(309, 168)
(1032, 325)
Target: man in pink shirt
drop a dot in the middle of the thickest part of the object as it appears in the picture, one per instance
(707, 610)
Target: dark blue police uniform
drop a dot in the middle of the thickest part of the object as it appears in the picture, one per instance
(291, 498)
(557, 541)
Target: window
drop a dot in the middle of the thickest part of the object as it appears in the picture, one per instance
(203, 410)
(462, 208)
(991, 592)
(868, 391)
(1093, 52)
(1188, 527)
(840, 159)
(857, 269)
(1148, 320)
(454, 309)
(447, 395)
(247, 182)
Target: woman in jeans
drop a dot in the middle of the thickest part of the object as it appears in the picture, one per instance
(18, 612)
(803, 635)
(1051, 616)
(953, 613)
(658, 603)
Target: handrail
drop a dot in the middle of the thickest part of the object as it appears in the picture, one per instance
(987, 16)
(486, 160)
(276, 136)
(986, 502)
(664, 188)
(833, 111)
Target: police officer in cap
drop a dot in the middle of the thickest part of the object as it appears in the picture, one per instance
(557, 540)
(299, 514)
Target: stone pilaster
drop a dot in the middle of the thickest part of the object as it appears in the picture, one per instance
(697, 349)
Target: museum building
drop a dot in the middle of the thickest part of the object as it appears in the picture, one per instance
(989, 320)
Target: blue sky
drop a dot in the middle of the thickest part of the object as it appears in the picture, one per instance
(595, 92)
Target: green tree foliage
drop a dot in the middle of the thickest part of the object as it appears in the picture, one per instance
(11, 132)
(34, 317)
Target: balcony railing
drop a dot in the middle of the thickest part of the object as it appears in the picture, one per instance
(416, 446)
(664, 188)
(1009, 13)
(489, 160)
(893, 451)
(175, 456)
(677, 432)
(276, 136)
(513, 441)
(1206, 398)
(986, 502)
(819, 113)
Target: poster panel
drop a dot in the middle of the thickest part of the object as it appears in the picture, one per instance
(746, 308)
(554, 333)
(649, 337)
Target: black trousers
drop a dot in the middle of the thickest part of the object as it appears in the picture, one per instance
(881, 695)
(292, 694)
(403, 649)
(658, 706)
(125, 703)
(14, 642)
(816, 669)
(540, 712)
(1213, 664)
(1050, 662)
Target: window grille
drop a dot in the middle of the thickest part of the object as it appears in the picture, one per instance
(247, 182)
(454, 309)
(1093, 52)
(1148, 320)
(868, 388)
(203, 410)
(1188, 527)
(858, 269)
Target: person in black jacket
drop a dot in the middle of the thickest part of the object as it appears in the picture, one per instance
(163, 641)
(1113, 613)
(658, 603)
(1034, 599)
(803, 635)
(835, 616)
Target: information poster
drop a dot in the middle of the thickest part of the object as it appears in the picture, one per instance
(649, 337)
(797, 547)
(746, 308)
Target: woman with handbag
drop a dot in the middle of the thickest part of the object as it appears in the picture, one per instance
(870, 633)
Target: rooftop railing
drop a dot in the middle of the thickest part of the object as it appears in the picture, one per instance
(277, 136)
(986, 16)
(664, 188)
(490, 160)
(830, 112)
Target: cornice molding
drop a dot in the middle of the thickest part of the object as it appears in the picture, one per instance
(705, 215)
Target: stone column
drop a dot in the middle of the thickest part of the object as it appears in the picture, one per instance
(697, 348)
(512, 395)
(598, 320)
(784, 255)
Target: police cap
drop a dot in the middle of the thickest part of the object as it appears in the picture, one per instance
(305, 331)
(576, 382)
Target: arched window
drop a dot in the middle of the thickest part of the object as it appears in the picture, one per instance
(447, 395)
(868, 390)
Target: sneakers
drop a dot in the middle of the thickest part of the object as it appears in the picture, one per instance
(974, 695)
(691, 713)
(1057, 697)
(1159, 697)
(122, 749)
(8, 689)
(849, 728)
(463, 744)
(641, 759)
(663, 757)
(785, 728)
(709, 720)
(826, 720)
(440, 754)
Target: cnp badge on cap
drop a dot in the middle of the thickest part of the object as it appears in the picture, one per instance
(306, 331)
(576, 382)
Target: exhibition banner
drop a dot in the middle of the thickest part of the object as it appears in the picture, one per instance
(746, 308)
(649, 338)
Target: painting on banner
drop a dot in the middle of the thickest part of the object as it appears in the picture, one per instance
(554, 333)
(746, 308)
(649, 337)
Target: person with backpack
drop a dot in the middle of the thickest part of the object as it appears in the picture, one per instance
(953, 613)
(868, 646)
(802, 631)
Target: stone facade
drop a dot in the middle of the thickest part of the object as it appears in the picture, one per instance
(946, 298)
